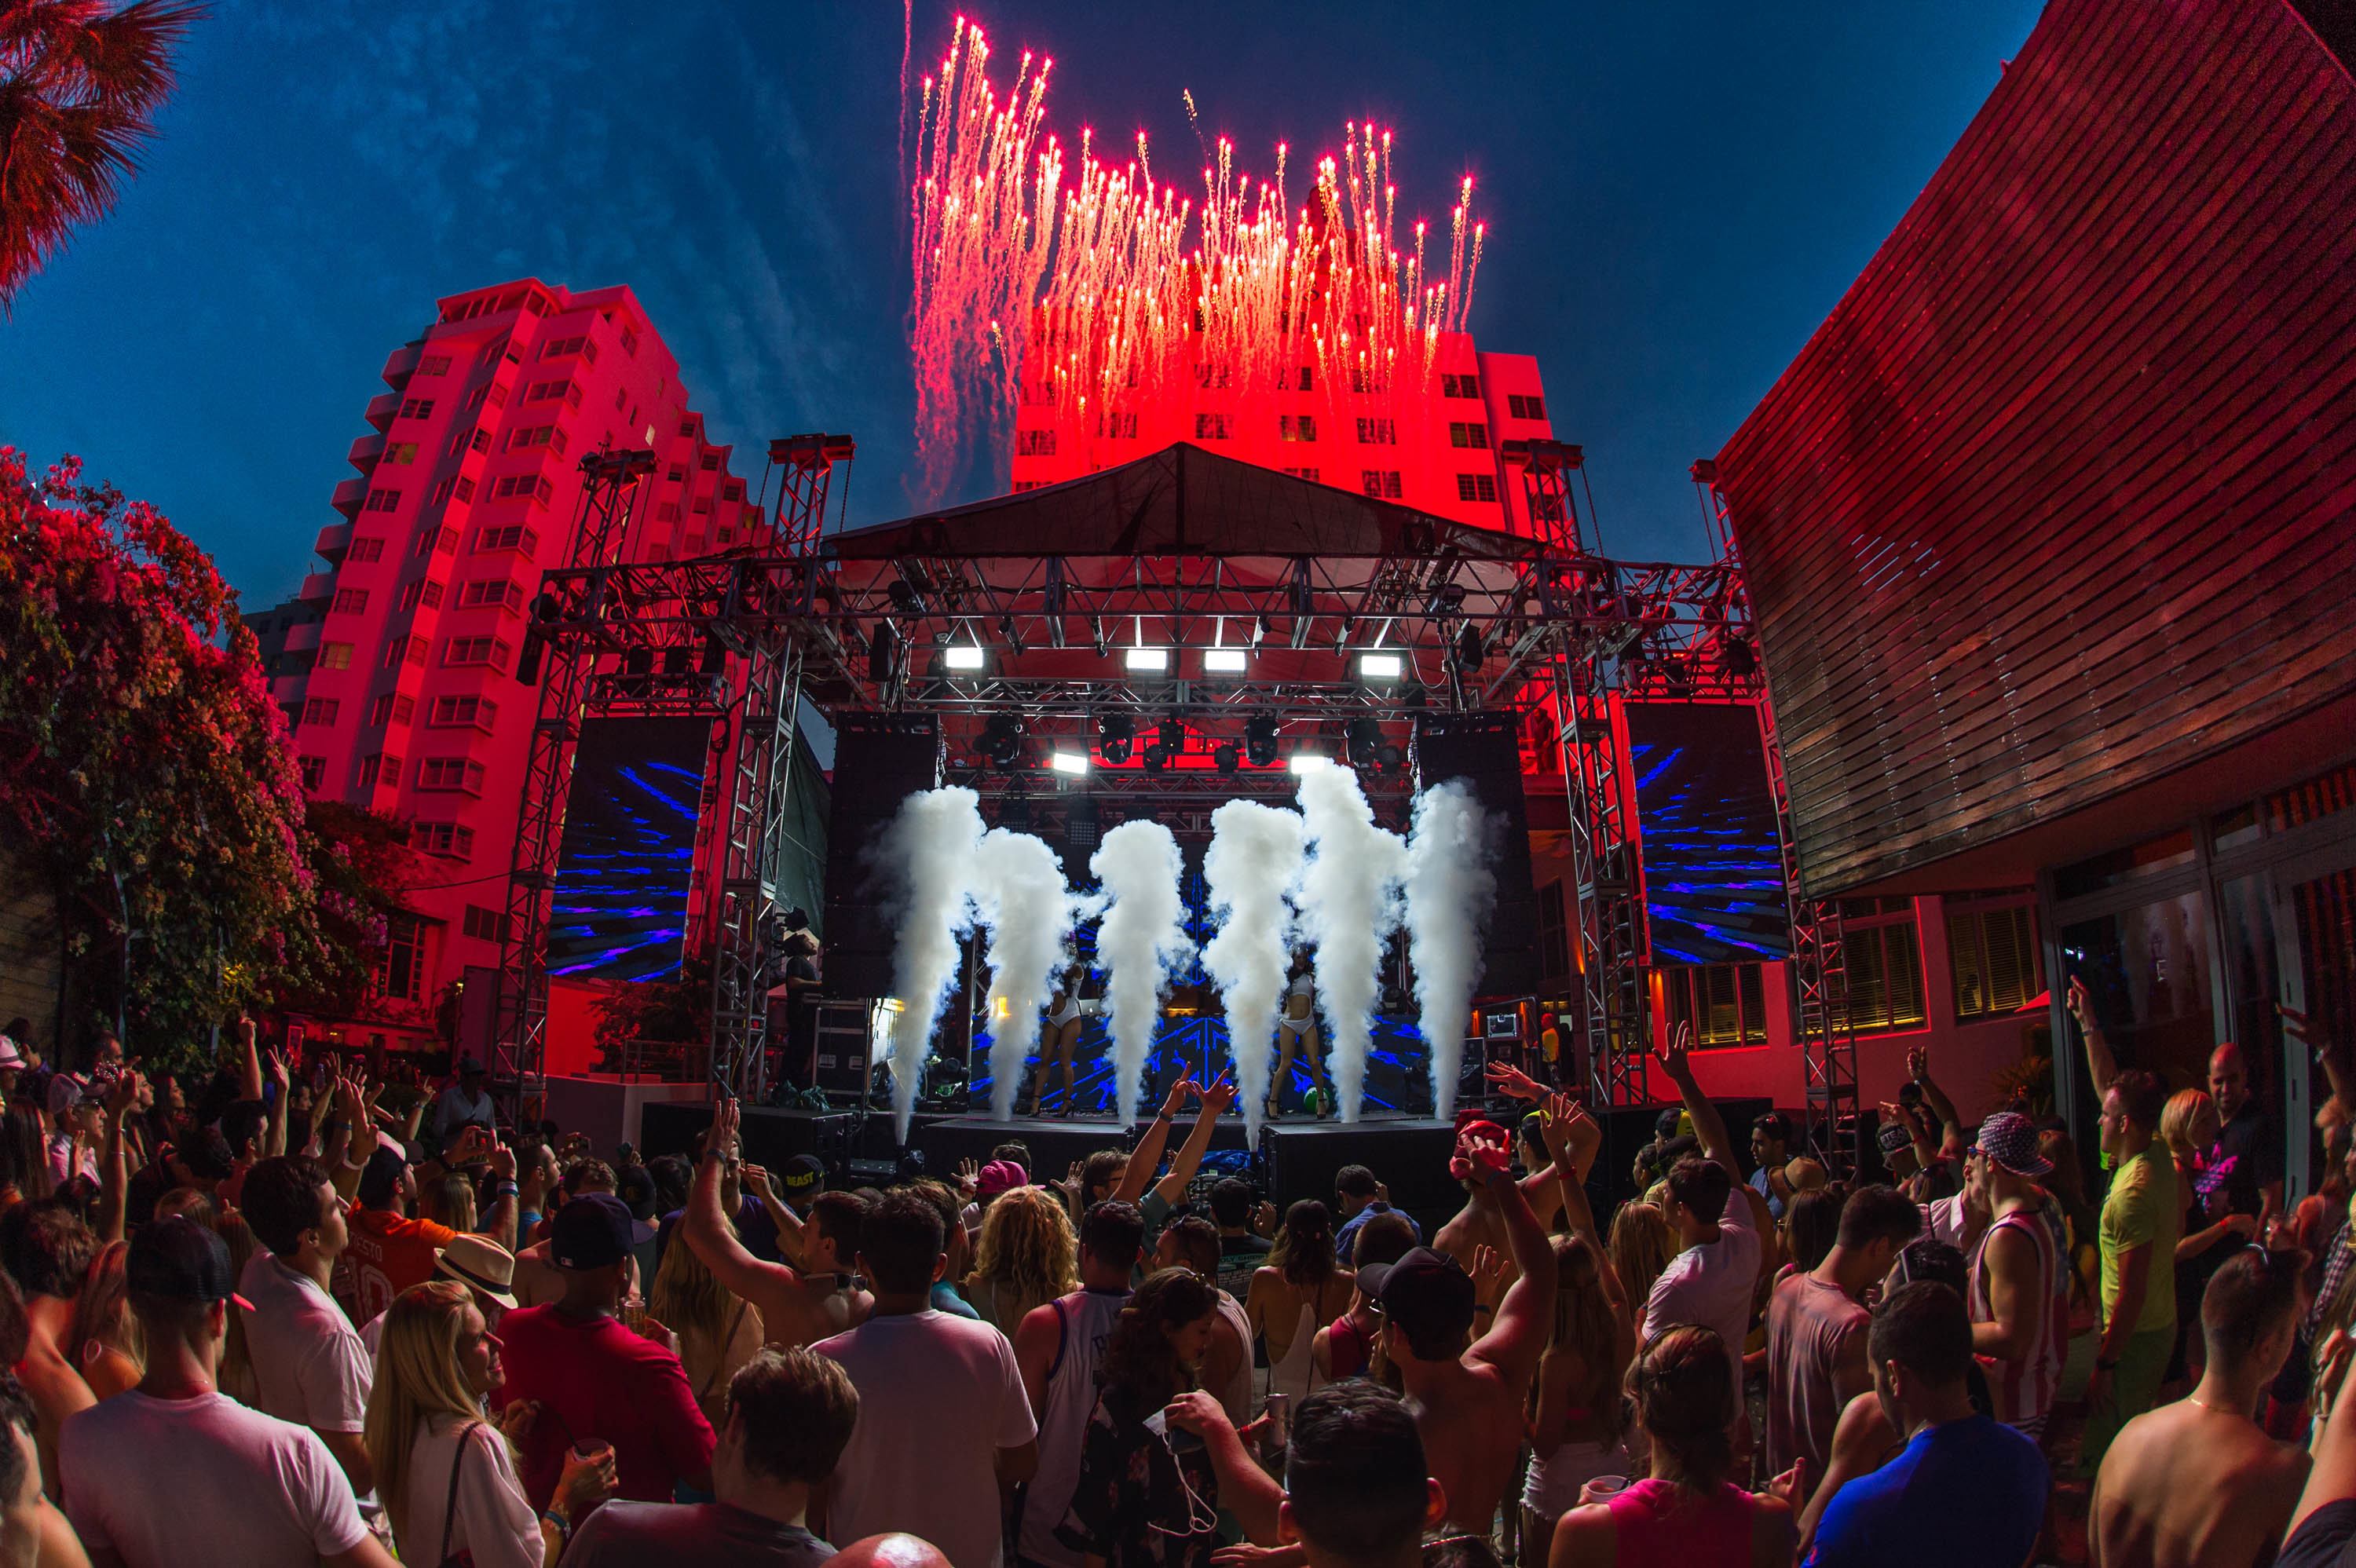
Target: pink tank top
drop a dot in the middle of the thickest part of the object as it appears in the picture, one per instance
(1658, 1525)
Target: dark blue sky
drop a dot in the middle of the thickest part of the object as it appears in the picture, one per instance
(1676, 193)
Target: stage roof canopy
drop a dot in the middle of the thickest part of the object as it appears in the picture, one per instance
(1181, 501)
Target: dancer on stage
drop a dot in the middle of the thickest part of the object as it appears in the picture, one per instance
(1057, 1039)
(1297, 1027)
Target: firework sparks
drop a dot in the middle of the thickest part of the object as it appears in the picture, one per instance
(1102, 297)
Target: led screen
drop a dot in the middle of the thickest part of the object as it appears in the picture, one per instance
(623, 871)
(1713, 867)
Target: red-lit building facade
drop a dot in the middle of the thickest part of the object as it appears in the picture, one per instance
(396, 665)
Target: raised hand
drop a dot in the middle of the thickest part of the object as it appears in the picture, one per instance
(754, 1178)
(1482, 1153)
(1488, 1274)
(721, 1139)
(1918, 1062)
(1514, 1083)
(969, 1176)
(1218, 1097)
(1674, 1051)
(1177, 1096)
(2081, 1006)
(2302, 1028)
(123, 1095)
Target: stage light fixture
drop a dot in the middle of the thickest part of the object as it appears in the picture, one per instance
(1390, 758)
(1117, 729)
(1013, 638)
(1172, 733)
(1225, 756)
(1380, 667)
(1001, 739)
(1259, 740)
(1739, 657)
(1470, 650)
(964, 655)
(1412, 694)
(905, 597)
(1307, 762)
(1225, 661)
(1366, 738)
(1156, 759)
(1068, 761)
(1154, 660)
(883, 651)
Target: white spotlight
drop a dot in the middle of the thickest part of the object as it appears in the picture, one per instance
(1068, 761)
(962, 655)
(1307, 762)
(1379, 666)
(1225, 661)
(1147, 658)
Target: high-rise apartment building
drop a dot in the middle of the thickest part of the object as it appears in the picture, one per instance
(1435, 447)
(402, 684)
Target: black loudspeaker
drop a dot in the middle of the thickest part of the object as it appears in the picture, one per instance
(769, 1137)
(1628, 1128)
(880, 759)
(1411, 1158)
(1483, 750)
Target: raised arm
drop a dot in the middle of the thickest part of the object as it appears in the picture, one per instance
(769, 1287)
(1146, 1159)
(249, 1069)
(1951, 1142)
(500, 1223)
(114, 1169)
(755, 1179)
(1570, 1133)
(1215, 1100)
(1526, 1317)
(273, 1131)
(1709, 1126)
(2101, 1065)
(2326, 1054)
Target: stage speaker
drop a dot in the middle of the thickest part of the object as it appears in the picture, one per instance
(880, 759)
(1483, 750)
(1411, 1158)
(1628, 1128)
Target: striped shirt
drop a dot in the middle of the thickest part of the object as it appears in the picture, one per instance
(2022, 1390)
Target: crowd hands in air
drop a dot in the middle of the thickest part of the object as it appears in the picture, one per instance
(296, 1318)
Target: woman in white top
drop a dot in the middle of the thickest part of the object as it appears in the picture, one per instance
(718, 1330)
(1058, 1038)
(1303, 1287)
(445, 1472)
(1296, 1027)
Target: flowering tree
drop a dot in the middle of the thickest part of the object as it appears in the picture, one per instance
(147, 772)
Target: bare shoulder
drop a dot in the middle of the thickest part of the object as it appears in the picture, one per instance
(1584, 1538)
(1773, 1535)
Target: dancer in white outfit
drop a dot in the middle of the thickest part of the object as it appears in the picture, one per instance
(1297, 1028)
(1056, 1043)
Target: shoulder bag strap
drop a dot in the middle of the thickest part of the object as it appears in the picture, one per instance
(727, 1339)
(450, 1507)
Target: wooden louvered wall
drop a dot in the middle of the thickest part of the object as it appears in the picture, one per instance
(2063, 495)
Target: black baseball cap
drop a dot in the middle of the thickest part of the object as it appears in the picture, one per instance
(1426, 1293)
(596, 1229)
(802, 1173)
(178, 1260)
(380, 1177)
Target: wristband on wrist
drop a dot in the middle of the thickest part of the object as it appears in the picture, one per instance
(504, 1190)
(563, 1525)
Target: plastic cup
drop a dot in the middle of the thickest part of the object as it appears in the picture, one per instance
(1601, 1489)
(594, 1450)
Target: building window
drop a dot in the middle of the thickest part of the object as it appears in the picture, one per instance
(1554, 931)
(391, 708)
(382, 500)
(1308, 473)
(686, 426)
(364, 550)
(350, 600)
(1211, 427)
(1296, 427)
(1116, 427)
(1460, 386)
(629, 343)
(1212, 376)
(486, 924)
(451, 838)
(558, 347)
(336, 656)
(711, 461)
(434, 365)
(668, 512)
(1462, 432)
(381, 766)
(418, 408)
(1038, 394)
(489, 650)
(400, 973)
(1476, 487)
(496, 593)
(1377, 433)
(1022, 484)
(1034, 443)
(1363, 379)
(321, 711)
(678, 474)
(1380, 483)
(411, 648)
(1726, 1004)
(1992, 947)
(1524, 408)
(733, 491)
(313, 771)
(1884, 961)
(532, 487)
(400, 452)
(546, 435)
(441, 491)
(515, 536)
(450, 774)
(474, 711)
(704, 504)
(545, 392)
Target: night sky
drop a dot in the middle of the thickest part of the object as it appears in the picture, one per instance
(1677, 194)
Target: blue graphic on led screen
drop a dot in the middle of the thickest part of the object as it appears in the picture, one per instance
(1713, 866)
(622, 875)
(1398, 1062)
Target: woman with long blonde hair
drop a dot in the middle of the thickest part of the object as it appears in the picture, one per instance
(1641, 1246)
(1302, 1288)
(1028, 1257)
(718, 1330)
(106, 1345)
(1578, 1416)
(446, 1475)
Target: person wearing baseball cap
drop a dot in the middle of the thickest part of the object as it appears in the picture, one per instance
(174, 1467)
(596, 1380)
(2019, 1295)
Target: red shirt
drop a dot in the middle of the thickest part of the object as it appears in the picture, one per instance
(597, 1379)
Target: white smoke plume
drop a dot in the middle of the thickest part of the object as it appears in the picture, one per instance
(1254, 858)
(1143, 935)
(1348, 899)
(927, 857)
(1020, 893)
(1450, 893)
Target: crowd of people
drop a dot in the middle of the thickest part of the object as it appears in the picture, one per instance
(299, 1316)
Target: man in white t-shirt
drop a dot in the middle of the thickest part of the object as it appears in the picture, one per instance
(310, 1365)
(943, 1419)
(174, 1471)
(1711, 1281)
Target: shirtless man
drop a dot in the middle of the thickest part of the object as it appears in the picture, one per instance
(1482, 1221)
(2197, 1484)
(1467, 1403)
(794, 1310)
